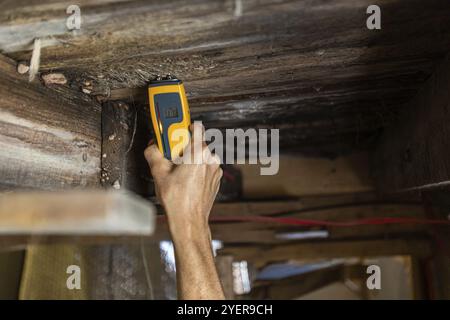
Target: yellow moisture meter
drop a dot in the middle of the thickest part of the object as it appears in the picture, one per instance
(170, 115)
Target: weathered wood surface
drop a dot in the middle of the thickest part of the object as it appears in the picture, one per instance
(308, 176)
(261, 255)
(49, 138)
(71, 213)
(257, 232)
(311, 66)
(126, 133)
(332, 207)
(413, 154)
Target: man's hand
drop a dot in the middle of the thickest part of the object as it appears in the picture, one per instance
(187, 193)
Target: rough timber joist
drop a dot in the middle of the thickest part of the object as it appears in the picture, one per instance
(49, 138)
(310, 67)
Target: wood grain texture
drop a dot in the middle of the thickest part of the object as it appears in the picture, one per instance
(307, 176)
(254, 232)
(413, 154)
(50, 138)
(261, 255)
(126, 133)
(310, 67)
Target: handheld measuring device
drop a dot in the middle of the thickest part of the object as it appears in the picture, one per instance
(170, 116)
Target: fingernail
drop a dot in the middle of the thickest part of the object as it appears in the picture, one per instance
(151, 142)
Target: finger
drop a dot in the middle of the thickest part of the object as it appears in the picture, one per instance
(215, 159)
(198, 131)
(218, 176)
(197, 126)
(210, 158)
(156, 161)
(216, 185)
(194, 149)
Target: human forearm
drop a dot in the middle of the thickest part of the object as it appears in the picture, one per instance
(187, 193)
(197, 276)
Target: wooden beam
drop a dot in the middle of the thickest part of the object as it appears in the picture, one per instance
(414, 153)
(332, 208)
(308, 65)
(126, 133)
(303, 176)
(75, 213)
(261, 255)
(257, 232)
(335, 46)
(50, 138)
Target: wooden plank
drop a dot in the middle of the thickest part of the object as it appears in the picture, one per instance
(304, 176)
(261, 255)
(257, 232)
(413, 154)
(75, 213)
(50, 138)
(332, 208)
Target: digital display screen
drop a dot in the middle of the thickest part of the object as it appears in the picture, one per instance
(171, 112)
(169, 106)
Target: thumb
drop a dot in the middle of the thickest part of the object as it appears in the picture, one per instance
(159, 166)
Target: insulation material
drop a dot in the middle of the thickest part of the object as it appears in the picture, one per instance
(44, 273)
(107, 272)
